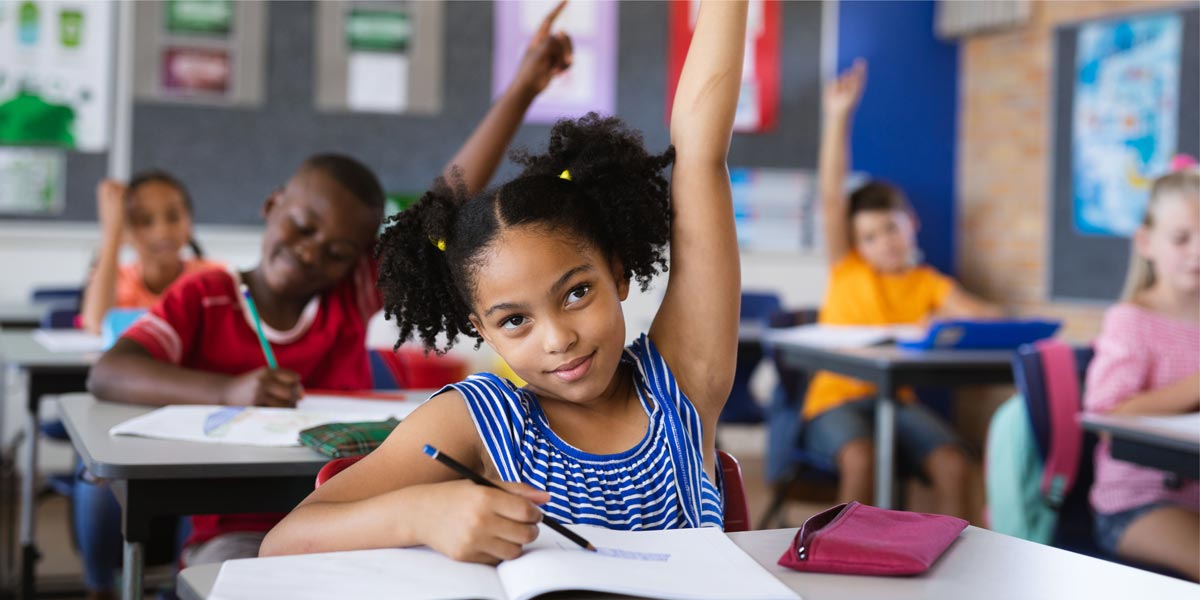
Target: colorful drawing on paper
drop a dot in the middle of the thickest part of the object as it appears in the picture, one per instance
(56, 73)
(591, 82)
(1124, 126)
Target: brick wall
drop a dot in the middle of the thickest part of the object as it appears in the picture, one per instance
(1003, 167)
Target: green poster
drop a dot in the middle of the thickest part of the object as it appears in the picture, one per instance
(379, 30)
(205, 17)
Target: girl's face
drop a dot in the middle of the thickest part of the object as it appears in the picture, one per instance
(316, 232)
(551, 308)
(885, 238)
(159, 222)
(1172, 243)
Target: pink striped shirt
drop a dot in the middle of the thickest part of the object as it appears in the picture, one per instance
(1138, 351)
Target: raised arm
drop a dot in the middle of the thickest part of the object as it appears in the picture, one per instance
(548, 55)
(840, 100)
(696, 325)
(100, 295)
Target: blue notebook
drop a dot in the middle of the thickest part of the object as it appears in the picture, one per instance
(982, 335)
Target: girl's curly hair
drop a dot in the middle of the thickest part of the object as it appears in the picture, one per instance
(616, 200)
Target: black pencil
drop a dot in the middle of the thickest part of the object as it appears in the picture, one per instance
(458, 467)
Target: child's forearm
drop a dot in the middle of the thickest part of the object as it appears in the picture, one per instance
(100, 295)
(128, 374)
(388, 520)
(706, 97)
(1183, 396)
(832, 164)
(481, 154)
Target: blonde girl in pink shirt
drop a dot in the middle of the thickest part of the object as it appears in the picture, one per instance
(1147, 362)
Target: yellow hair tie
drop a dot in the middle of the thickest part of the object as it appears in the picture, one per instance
(441, 244)
(565, 175)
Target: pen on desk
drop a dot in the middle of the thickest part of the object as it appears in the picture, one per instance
(458, 467)
(258, 330)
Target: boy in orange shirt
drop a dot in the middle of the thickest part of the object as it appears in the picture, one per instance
(876, 278)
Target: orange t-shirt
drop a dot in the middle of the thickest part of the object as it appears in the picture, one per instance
(859, 295)
(131, 287)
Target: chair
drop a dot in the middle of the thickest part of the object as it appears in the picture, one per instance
(65, 296)
(737, 512)
(737, 509)
(787, 462)
(413, 368)
(742, 407)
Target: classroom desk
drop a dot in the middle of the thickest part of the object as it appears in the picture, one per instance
(45, 373)
(981, 565)
(21, 315)
(1136, 441)
(154, 478)
(890, 368)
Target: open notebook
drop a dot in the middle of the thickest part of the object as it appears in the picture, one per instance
(261, 426)
(684, 564)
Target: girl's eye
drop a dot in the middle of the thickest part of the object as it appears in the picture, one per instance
(512, 322)
(578, 293)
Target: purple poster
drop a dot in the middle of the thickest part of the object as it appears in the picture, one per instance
(590, 83)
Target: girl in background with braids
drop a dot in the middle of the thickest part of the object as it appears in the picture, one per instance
(602, 434)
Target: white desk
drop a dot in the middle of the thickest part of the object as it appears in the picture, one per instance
(1146, 441)
(981, 565)
(45, 373)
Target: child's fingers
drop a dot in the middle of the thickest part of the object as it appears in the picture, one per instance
(498, 549)
(544, 29)
(527, 492)
(514, 532)
(568, 50)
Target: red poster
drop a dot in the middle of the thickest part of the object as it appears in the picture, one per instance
(758, 104)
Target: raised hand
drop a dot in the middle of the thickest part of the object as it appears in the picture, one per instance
(110, 206)
(547, 55)
(842, 94)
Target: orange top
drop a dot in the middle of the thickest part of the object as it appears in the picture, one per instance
(859, 295)
(131, 287)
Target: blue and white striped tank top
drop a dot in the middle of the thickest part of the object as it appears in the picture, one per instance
(658, 484)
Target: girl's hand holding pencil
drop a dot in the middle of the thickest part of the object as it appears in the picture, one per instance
(473, 523)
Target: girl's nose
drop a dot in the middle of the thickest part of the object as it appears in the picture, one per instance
(559, 337)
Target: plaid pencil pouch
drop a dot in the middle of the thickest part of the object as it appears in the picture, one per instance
(338, 440)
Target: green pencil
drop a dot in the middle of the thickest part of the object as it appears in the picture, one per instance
(262, 337)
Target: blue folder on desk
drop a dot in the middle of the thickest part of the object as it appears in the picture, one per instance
(982, 335)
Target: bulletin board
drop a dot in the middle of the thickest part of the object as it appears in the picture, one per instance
(1089, 252)
(231, 158)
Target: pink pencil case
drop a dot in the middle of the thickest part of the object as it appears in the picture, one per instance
(856, 539)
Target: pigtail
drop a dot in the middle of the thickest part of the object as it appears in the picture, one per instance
(414, 270)
(607, 164)
(197, 251)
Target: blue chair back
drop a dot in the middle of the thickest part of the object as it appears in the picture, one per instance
(759, 306)
(58, 317)
(65, 296)
(741, 406)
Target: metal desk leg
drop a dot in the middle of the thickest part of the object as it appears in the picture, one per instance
(29, 553)
(132, 571)
(885, 446)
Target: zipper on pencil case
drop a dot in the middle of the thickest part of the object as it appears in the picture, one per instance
(814, 525)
